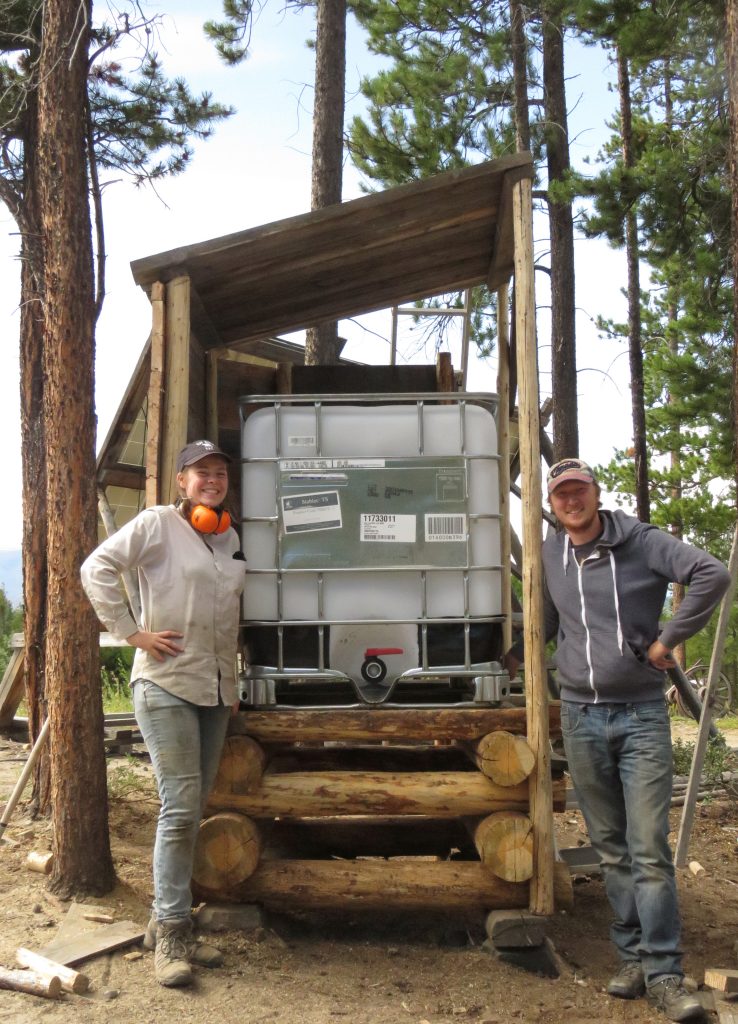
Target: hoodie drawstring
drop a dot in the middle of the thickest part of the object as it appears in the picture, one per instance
(617, 601)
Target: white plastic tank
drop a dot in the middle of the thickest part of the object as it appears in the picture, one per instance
(348, 507)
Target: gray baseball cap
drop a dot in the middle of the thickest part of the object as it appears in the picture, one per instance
(196, 450)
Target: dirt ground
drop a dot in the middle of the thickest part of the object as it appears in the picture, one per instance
(398, 969)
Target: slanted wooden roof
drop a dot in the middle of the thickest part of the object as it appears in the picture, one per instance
(441, 234)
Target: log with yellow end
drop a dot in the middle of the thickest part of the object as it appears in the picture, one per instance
(504, 842)
(227, 853)
(504, 758)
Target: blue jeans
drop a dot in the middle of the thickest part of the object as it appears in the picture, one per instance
(185, 743)
(620, 761)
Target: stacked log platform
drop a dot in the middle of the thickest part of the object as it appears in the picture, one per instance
(377, 808)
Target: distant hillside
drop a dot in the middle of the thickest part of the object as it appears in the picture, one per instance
(11, 575)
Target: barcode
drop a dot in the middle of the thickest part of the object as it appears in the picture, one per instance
(445, 527)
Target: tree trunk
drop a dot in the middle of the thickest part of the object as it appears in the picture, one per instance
(82, 860)
(635, 349)
(322, 345)
(563, 335)
(519, 48)
(34, 455)
(731, 45)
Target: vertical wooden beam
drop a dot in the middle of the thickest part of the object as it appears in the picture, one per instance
(156, 385)
(284, 379)
(503, 447)
(176, 383)
(541, 811)
(444, 372)
(212, 358)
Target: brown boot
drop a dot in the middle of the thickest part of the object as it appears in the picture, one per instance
(171, 964)
(200, 953)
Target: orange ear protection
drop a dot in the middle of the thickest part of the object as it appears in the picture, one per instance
(209, 520)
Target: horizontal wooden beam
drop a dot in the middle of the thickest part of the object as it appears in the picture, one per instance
(437, 794)
(295, 725)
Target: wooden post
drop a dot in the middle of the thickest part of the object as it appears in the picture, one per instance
(156, 384)
(541, 886)
(176, 383)
(444, 372)
(212, 359)
(503, 446)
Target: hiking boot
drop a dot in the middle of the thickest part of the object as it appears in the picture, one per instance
(171, 965)
(669, 995)
(629, 982)
(200, 953)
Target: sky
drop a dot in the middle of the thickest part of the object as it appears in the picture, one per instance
(256, 169)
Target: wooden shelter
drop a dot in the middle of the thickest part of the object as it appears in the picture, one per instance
(217, 309)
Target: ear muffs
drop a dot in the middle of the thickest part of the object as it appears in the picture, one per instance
(209, 520)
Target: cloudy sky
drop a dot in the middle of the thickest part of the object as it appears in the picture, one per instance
(257, 169)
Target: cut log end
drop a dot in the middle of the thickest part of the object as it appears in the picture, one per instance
(228, 851)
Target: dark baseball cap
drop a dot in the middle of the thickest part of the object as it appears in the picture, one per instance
(569, 469)
(196, 450)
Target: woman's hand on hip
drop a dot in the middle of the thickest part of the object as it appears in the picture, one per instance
(159, 645)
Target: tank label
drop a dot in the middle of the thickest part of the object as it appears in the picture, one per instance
(445, 528)
(303, 513)
(387, 528)
(306, 465)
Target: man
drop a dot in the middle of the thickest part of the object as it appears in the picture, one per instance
(606, 578)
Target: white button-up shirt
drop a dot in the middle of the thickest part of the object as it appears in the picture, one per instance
(190, 583)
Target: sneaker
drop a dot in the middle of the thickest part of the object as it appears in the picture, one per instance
(629, 982)
(671, 997)
(171, 965)
(200, 953)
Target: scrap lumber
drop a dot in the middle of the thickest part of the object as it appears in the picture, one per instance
(28, 981)
(78, 939)
(41, 862)
(71, 980)
(722, 980)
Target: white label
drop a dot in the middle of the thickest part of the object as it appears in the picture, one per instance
(445, 527)
(286, 465)
(383, 526)
(306, 512)
(301, 441)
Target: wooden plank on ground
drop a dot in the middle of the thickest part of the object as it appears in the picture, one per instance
(79, 939)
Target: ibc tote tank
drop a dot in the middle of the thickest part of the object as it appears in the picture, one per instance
(355, 514)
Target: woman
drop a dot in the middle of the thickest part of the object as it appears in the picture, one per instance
(191, 574)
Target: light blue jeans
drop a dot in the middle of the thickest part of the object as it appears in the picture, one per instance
(185, 742)
(620, 761)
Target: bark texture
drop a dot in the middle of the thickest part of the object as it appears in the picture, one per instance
(82, 859)
(635, 350)
(322, 345)
(731, 46)
(563, 337)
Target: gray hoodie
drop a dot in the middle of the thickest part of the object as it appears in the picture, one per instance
(606, 611)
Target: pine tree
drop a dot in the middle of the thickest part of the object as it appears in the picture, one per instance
(66, 111)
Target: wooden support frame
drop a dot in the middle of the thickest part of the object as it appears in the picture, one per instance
(177, 343)
(541, 886)
(503, 447)
(156, 388)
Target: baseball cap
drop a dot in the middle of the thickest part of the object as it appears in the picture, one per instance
(569, 469)
(196, 450)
